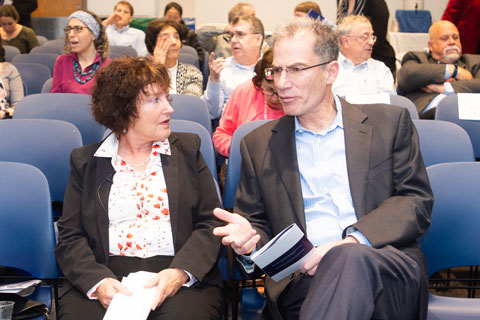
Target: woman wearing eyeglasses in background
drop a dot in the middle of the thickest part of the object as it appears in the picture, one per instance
(14, 34)
(255, 99)
(85, 52)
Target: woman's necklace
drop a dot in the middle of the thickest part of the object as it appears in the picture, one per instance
(140, 164)
(77, 70)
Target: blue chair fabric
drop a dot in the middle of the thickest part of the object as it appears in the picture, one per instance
(402, 101)
(33, 76)
(452, 239)
(442, 141)
(41, 40)
(414, 21)
(47, 59)
(26, 226)
(206, 147)
(187, 107)
(11, 52)
(47, 86)
(187, 58)
(47, 49)
(119, 51)
(55, 42)
(71, 107)
(189, 50)
(447, 110)
(43, 143)
(235, 161)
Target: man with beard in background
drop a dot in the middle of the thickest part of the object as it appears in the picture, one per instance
(426, 78)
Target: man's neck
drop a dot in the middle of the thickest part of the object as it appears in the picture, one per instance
(248, 61)
(323, 117)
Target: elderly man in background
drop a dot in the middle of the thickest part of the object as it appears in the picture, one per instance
(359, 74)
(246, 36)
(119, 32)
(426, 78)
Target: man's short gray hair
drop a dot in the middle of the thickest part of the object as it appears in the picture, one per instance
(349, 22)
(325, 40)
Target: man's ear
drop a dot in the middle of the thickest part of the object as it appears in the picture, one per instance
(331, 72)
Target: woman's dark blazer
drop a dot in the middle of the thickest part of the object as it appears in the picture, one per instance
(82, 250)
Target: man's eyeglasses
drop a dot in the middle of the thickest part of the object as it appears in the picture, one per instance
(239, 35)
(275, 72)
(365, 37)
(76, 29)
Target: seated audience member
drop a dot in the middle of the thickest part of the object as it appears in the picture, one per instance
(163, 43)
(351, 176)
(85, 52)
(246, 37)
(425, 78)
(11, 86)
(302, 9)
(378, 13)
(119, 32)
(173, 11)
(359, 73)
(254, 99)
(216, 38)
(141, 200)
(13, 33)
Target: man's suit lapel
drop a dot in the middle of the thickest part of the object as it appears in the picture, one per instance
(171, 174)
(358, 136)
(284, 152)
(103, 183)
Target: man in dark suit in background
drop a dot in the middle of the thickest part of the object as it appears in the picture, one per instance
(426, 78)
(350, 176)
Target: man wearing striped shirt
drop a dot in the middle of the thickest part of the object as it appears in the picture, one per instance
(350, 176)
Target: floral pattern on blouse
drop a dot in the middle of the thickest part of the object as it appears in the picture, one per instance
(138, 211)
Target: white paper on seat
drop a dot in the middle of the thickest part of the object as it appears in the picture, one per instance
(469, 106)
(368, 98)
(136, 306)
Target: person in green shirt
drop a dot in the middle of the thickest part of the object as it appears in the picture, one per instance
(14, 34)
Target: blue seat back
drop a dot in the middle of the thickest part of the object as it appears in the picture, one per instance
(187, 107)
(26, 223)
(45, 144)
(71, 107)
(47, 49)
(47, 86)
(206, 147)
(188, 58)
(453, 238)
(235, 161)
(442, 141)
(119, 51)
(33, 75)
(447, 110)
(402, 101)
(11, 52)
(189, 50)
(47, 59)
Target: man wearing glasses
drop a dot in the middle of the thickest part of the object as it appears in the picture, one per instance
(350, 176)
(359, 74)
(246, 36)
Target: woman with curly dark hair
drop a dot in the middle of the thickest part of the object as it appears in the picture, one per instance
(85, 52)
(141, 200)
(162, 38)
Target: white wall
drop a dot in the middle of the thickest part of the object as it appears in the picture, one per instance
(271, 12)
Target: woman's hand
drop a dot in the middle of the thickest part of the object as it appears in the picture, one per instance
(108, 289)
(168, 282)
(161, 49)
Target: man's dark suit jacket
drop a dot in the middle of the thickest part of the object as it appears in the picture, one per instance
(82, 250)
(388, 181)
(420, 69)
